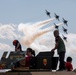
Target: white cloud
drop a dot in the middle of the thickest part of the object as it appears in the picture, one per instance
(5, 47)
(8, 31)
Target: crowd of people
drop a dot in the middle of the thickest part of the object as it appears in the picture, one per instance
(59, 46)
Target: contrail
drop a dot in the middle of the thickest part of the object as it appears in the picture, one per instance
(41, 24)
(31, 32)
(44, 31)
(30, 28)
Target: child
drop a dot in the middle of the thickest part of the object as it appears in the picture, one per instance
(17, 45)
(30, 53)
(68, 64)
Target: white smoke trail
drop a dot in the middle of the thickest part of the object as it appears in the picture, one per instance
(46, 30)
(41, 24)
(33, 32)
(33, 27)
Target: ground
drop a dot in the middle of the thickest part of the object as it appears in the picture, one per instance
(39, 73)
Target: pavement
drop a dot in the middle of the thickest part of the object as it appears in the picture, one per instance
(40, 73)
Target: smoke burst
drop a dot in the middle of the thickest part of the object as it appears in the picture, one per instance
(33, 31)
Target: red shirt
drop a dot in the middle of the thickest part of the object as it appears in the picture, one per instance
(27, 60)
(69, 66)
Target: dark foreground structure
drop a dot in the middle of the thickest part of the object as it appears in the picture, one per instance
(39, 73)
(43, 61)
(43, 64)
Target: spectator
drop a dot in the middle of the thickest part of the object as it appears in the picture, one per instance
(18, 48)
(17, 45)
(30, 53)
(61, 50)
(68, 64)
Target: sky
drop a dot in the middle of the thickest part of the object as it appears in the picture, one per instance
(23, 19)
(22, 11)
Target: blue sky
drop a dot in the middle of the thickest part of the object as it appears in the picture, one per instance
(22, 11)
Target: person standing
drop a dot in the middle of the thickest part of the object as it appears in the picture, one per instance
(17, 45)
(61, 50)
(18, 48)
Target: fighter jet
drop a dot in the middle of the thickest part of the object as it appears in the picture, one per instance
(64, 29)
(56, 26)
(65, 22)
(56, 16)
(65, 38)
(48, 13)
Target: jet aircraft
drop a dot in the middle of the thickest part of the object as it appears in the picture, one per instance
(56, 16)
(56, 26)
(64, 29)
(65, 38)
(65, 22)
(48, 13)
